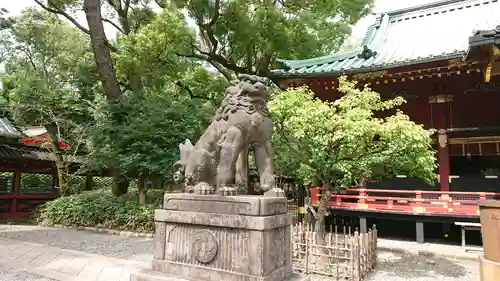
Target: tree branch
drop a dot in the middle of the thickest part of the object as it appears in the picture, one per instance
(122, 11)
(191, 94)
(126, 7)
(113, 24)
(208, 28)
(51, 8)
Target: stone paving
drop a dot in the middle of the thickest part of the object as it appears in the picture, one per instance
(63, 264)
(33, 253)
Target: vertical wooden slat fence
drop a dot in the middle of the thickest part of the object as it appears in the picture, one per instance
(337, 255)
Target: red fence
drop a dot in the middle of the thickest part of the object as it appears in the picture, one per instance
(407, 201)
(21, 193)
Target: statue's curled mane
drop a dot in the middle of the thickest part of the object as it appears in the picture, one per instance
(248, 93)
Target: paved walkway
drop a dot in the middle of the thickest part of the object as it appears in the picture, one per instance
(34, 253)
(63, 264)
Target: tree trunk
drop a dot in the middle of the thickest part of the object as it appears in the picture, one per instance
(61, 165)
(120, 183)
(143, 190)
(320, 228)
(102, 54)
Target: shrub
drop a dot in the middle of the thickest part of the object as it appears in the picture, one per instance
(99, 208)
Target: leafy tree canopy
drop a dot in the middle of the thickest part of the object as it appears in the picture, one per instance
(49, 77)
(344, 142)
(146, 141)
(49, 82)
(242, 36)
(246, 36)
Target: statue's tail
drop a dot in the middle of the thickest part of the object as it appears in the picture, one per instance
(179, 167)
(186, 148)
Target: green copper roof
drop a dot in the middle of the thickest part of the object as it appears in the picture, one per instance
(415, 35)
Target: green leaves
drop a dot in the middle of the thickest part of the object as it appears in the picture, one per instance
(247, 36)
(141, 134)
(49, 78)
(101, 209)
(344, 143)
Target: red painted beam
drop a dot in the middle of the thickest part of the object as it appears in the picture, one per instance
(14, 215)
(33, 196)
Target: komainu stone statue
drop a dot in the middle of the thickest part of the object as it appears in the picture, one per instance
(219, 160)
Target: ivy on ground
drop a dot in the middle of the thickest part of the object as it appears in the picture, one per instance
(100, 208)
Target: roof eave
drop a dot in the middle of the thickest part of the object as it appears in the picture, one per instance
(479, 41)
(366, 69)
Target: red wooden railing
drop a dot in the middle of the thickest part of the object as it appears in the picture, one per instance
(22, 204)
(407, 201)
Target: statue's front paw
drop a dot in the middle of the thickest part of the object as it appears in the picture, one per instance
(275, 192)
(227, 191)
(204, 188)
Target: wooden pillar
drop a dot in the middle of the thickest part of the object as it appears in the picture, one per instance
(420, 231)
(55, 177)
(441, 120)
(88, 183)
(16, 190)
(301, 196)
(443, 161)
(363, 228)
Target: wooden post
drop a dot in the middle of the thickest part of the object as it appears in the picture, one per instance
(363, 224)
(55, 176)
(357, 257)
(88, 183)
(16, 190)
(462, 229)
(443, 161)
(420, 231)
(301, 194)
(306, 269)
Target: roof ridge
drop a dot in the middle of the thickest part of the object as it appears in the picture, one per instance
(426, 6)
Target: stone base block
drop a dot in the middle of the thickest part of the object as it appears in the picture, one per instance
(211, 274)
(489, 270)
(229, 238)
(150, 275)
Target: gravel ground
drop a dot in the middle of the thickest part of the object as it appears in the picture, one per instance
(403, 266)
(393, 265)
(134, 248)
(17, 275)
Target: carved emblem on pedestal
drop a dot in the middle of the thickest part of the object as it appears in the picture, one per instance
(205, 246)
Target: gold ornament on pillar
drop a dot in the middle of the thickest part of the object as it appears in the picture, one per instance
(442, 138)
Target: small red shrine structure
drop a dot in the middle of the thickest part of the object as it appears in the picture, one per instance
(443, 58)
(27, 170)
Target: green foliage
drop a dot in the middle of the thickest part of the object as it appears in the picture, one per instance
(100, 208)
(36, 183)
(171, 99)
(5, 20)
(248, 35)
(150, 53)
(49, 78)
(142, 133)
(344, 143)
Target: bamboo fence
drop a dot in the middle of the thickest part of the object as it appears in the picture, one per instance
(339, 255)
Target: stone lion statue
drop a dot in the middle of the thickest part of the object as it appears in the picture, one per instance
(220, 157)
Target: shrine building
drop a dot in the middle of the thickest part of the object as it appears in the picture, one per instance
(443, 58)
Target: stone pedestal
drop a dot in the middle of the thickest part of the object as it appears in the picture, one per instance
(489, 270)
(222, 238)
(490, 231)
